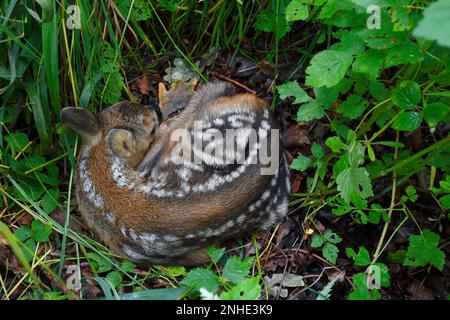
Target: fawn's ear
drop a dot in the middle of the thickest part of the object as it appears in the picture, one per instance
(121, 142)
(80, 120)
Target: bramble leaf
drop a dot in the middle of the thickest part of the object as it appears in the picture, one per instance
(423, 249)
(202, 278)
(301, 163)
(327, 68)
(293, 89)
(354, 180)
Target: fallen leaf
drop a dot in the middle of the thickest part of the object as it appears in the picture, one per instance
(142, 84)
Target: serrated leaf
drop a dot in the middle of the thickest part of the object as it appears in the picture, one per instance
(317, 150)
(102, 264)
(128, 266)
(293, 89)
(362, 258)
(335, 144)
(202, 278)
(356, 155)
(423, 249)
(369, 63)
(317, 241)
(301, 163)
(327, 68)
(353, 107)
(115, 278)
(433, 113)
(361, 291)
(248, 289)
(235, 269)
(50, 200)
(374, 216)
(406, 95)
(407, 121)
(411, 193)
(215, 253)
(310, 111)
(332, 237)
(402, 54)
(354, 180)
(330, 252)
(40, 231)
(435, 24)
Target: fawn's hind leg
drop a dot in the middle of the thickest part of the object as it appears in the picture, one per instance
(195, 258)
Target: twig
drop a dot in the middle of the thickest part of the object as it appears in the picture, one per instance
(391, 206)
(236, 83)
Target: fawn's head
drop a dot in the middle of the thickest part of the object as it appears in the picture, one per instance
(127, 128)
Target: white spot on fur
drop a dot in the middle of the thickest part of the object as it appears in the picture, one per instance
(110, 217)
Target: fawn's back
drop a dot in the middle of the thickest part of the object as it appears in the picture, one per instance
(162, 194)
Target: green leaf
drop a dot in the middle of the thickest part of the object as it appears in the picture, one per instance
(293, 89)
(128, 266)
(392, 144)
(371, 153)
(317, 241)
(353, 107)
(268, 22)
(354, 180)
(374, 216)
(23, 233)
(332, 237)
(317, 150)
(406, 95)
(397, 257)
(215, 254)
(17, 141)
(101, 263)
(335, 144)
(435, 24)
(411, 194)
(327, 68)
(310, 111)
(402, 54)
(50, 200)
(356, 155)
(301, 163)
(235, 269)
(433, 113)
(379, 91)
(384, 273)
(361, 291)
(202, 278)
(248, 289)
(362, 259)
(297, 10)
(115, 278)
(369, 63)
(330, 252)
(407, 121)
(423, 249)
(41, 231)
